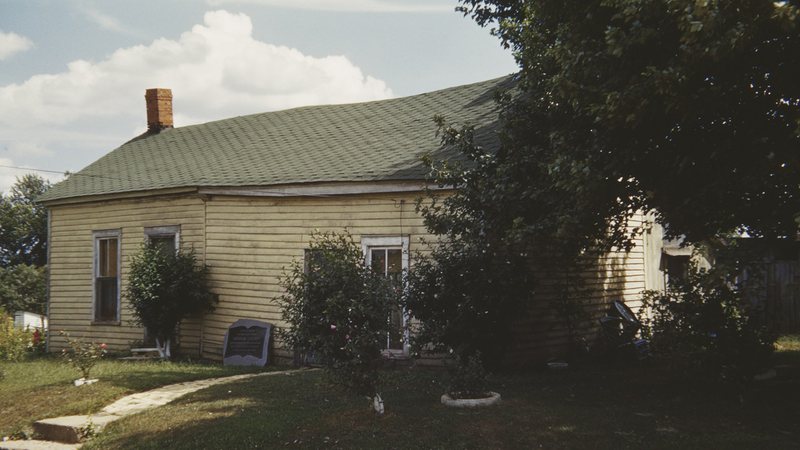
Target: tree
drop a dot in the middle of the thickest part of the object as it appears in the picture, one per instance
(337, 309)
(23, 246)
(164, 287)
(23, 288)
(23, 223)
(690, 109)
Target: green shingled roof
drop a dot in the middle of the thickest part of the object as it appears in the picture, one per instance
(373, 141)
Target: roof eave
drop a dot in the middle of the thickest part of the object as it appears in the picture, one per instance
(118, 195)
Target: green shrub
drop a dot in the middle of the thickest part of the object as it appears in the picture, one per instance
(164, 287)
(702, 325)
(14, 342)
(465, 299)
(337, 309)
(468, 380)
(82, 355)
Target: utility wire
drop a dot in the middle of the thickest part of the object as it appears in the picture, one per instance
(36, 170)
(67, 173)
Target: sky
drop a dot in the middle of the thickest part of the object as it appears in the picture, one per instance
(73, 73)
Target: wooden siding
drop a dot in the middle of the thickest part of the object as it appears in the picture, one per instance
(542, 334)
(71, 257)
(248, 242)
(252, 240)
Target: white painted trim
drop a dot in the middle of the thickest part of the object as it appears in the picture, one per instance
(166, 230)
(100, 198)
(47, 280)
(322, 189)
(387, 242)
(96, 236)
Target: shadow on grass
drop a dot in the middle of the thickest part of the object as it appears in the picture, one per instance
(42, 387)
(137, 376)
(593, 408)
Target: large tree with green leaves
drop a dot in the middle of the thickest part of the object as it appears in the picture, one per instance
(688, 108)
(23, 246)
(23, 223)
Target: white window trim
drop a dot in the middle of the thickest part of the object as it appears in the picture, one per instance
(168, 230)
(96, 237)
(383, 242)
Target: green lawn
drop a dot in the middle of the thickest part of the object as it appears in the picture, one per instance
(42, 387)
(588, 407)
(596, 407)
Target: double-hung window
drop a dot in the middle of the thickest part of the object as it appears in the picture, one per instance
(389, 257)
(106, 276)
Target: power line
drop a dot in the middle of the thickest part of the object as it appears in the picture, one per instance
(66, 172)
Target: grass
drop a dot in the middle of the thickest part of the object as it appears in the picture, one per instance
(42, 387)
(587, 407)
(788, 343)
(592, 407)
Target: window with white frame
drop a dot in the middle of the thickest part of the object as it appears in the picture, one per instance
(389, 257)
(165, 237)
(106, 275)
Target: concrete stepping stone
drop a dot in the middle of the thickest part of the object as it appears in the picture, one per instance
(36, 445)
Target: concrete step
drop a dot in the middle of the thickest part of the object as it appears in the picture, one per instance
(36, 445)
(71, 429)
(144, 351)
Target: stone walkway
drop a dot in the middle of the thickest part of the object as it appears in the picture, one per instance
(63, 433)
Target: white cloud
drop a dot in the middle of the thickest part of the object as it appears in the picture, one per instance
(215, 70)
(12, 43)
(350, 5)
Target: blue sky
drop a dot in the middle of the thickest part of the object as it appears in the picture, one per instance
(73, 73)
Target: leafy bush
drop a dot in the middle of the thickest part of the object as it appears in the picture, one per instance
(469, 379)
(337, 309)
(15, 343)
(82, 355)
(465, 298)
(164, 287)
(702, 324)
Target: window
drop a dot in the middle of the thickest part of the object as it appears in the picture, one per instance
(677, 267)
(167, 238)
(389, 257)
(106, 276)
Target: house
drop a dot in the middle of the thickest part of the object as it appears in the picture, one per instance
(247, 192)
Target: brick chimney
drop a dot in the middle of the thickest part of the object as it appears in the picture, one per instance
(159, 109)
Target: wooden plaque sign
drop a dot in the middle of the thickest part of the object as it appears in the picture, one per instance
(247, 343)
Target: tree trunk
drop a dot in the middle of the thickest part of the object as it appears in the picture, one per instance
(164, 350)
